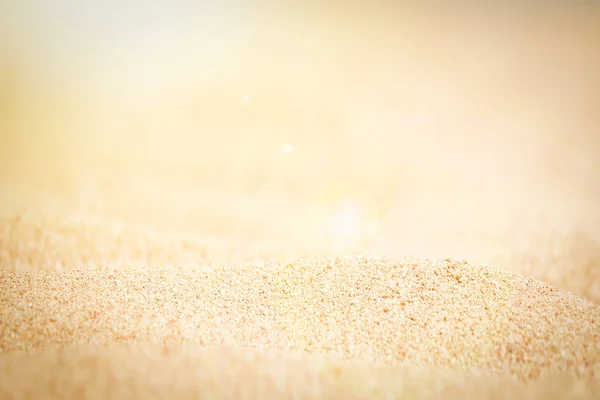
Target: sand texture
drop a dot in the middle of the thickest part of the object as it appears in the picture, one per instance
(446, 316)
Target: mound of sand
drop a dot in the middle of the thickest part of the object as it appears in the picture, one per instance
(446, 314)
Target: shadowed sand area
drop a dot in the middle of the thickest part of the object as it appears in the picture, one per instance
(374, 202)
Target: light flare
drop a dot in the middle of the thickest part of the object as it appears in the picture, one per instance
(348, 225)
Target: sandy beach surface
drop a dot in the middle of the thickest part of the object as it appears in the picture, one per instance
(102, 307)
(382, 203)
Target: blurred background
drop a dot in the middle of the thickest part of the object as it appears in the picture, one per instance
(153, 132)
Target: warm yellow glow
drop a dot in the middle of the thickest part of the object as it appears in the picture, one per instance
(348, 225)
(287, 149)
(347, 220)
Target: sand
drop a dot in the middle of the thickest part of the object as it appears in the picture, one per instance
(97, 305)
(139, 299)
(446, 316)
